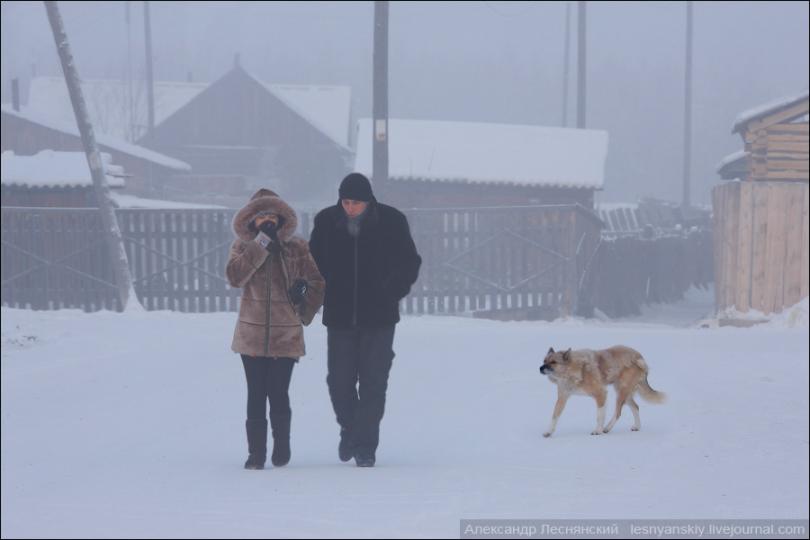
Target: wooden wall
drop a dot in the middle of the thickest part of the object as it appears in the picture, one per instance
(760, 245)
(779, 152)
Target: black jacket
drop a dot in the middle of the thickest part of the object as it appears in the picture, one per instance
(367, 275)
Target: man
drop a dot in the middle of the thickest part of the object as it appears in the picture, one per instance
(365, 252)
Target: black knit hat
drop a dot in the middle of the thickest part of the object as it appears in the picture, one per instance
(356, 187)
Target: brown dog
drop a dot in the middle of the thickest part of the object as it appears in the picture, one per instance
(590, 372)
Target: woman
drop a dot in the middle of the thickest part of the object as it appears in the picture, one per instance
(281, 291)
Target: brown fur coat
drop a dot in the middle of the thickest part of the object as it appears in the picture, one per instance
(269, 324)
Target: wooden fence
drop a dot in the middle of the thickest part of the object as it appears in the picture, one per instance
(517, 262)
(509, 263)
(760, 245)
(632, 271)
(57, 258)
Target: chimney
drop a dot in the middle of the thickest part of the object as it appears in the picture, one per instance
(15, 94)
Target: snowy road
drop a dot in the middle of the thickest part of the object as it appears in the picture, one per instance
(132, 425)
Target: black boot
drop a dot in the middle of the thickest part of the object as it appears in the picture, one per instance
(363, 458)
(257, 443)
(346, 447)
(280, 423)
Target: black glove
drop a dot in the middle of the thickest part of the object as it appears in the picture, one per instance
(270, 229)
(297, 291)
(268, 236)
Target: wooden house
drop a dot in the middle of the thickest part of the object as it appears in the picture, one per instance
(240, 127)
(761, 215)
(27, 133)
(434, 164)
(237, 133)
(53, 179)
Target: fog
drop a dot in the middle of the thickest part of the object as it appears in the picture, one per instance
(470, 61)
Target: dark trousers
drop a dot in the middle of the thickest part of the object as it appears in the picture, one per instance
(359, 363)
(268, 379)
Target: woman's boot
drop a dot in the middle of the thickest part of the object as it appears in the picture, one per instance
(257, 443)
(280, 422)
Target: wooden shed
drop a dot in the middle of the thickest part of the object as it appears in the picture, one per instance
(53, 179)
(28, 132)
(761, 215)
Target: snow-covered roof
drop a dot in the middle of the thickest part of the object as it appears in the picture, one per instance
(325, 107)
(768, 108)
(731, 163)
(488, 153)
(108, 102)
(50, 168)
(609, 207)
(619, 217)
(110, 142)
(731, 158)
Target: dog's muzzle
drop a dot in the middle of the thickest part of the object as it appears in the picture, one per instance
(544, 368)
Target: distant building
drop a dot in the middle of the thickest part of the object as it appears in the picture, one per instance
(27, 133)
(462, 164)
(775, 139)
(240, 127)
(761, 216)
(236, 133)
(53, 179)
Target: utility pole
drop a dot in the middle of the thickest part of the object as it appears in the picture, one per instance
(150, 83)
(115, 243)
(131, 133)
(581, 64)
(566, 62)
(15, 94)
(687, 112)
(380, 92)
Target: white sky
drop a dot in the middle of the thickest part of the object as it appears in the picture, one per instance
(471, 61)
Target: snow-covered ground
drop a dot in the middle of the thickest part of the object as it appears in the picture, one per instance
(132, 425)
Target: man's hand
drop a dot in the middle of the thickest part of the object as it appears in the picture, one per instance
(297, 291)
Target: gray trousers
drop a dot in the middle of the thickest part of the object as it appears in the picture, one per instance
(359, 361)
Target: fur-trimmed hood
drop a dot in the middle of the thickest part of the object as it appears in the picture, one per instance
(270, 324)
(265, 200)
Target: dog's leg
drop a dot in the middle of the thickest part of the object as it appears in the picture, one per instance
(636, 417)
(562, 398)
(621, 398)
(600, 413)
(616, 414)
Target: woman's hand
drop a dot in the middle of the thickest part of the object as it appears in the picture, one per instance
(298, 290)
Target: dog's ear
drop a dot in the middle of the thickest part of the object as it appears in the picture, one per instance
(550, 350)
(567, 355)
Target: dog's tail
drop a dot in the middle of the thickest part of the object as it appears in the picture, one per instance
(646, 391)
